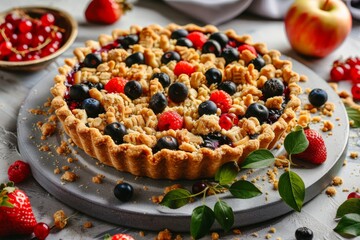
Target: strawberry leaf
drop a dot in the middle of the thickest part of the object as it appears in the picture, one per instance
(176, 198)
(296, 141)
(244, 189)
(351, 205)
(258, 159)
(349, 225)
(224, 215)
(202, 218)
(227, 173)
(354, 115)
(292, 190)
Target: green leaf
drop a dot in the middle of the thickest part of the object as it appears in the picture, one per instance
(258, 159)
(349, 225)
(296, 141)
(351, 205)
(176, 198)
(202, 218)
(244, 189)
(224, 215)
(354, 115)
(292, 190)
(227, 173)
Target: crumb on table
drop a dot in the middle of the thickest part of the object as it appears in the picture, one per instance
(337, 181)
(87, 224)
(354, 155)
(60, 219)
(164, 235)
(69, 176)
(330, 191)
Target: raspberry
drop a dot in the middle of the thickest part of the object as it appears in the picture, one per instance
(183, 67)
(222, 100)
(19, 171)
(247, 47)
(228, 120)
(197, 38)
(170, 120)
(116, 85)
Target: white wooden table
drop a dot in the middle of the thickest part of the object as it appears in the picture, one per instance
(14, 87)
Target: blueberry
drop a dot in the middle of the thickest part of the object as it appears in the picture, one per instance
(228, 86)
(178, 92)
(123, 192)
(126, 41)
(213, 76)
(215, 140)
(170, 56)
(273, 87)
(79, 92)
(92, 60)
(304, 233)
(230, 54)
(208, 107)
(221, 38)
(99, 86)
(258, 62)
(158, 102)
(163, 78)
(180, 33)
(257, 110)
(133, 89)
(184, 42)
(135, 58)
(116, 131)
(166, 142)
(212, 46)
(274, 115)
(198, 187)
(92, 107)
(318, 97)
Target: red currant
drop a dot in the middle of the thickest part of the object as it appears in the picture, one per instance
(15, 57)
(47, 19)
(228, 120)
(25, 38)
(355, 74)
(8, 28)
(355, 90)
(337, 73)
(353, 195)
(351, 61)
(41, 230)
(5, 48)
(347, 68)
(25, 26)
(12, 18)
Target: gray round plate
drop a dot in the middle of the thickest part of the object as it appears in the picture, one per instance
(97, 200)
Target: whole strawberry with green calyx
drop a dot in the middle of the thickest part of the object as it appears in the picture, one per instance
(316, 152)
(16, 215)
(106, 11)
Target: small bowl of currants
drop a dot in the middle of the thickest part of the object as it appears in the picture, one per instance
(32, 37)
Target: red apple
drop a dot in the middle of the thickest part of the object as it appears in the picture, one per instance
(317, 27)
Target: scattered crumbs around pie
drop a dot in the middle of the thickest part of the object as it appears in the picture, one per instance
(255, 234)
(278, 238)
(344, 163)
(57, 171)
(327, 126)
(142, 234)
(69, 176)
(164, 235)
(303, 78)
(337, 181)
(236, 231)
(63, 149)
(87, 224)
(330, 191)
(215, 236)
(272, 230)
(276, 185)
(119, 181)
(60, 219)
(44, 148)
(65, 168)
(178, 237)
(268, 236)
(354, 155)
(145, 188)
(346, 190)
(98, 179)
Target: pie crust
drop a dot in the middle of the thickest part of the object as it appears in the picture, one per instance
(191, 160)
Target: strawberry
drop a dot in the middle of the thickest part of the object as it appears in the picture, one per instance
(106, 11)
(184, 67)
(222, 100)
(316, 151)
(119, 236)
(170, 120)
(18, 171)
(116, 85)
(16, 215)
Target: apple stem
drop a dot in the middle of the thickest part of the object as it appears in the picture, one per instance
(324, 7)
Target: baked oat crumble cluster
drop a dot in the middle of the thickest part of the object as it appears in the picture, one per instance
(175, 102)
